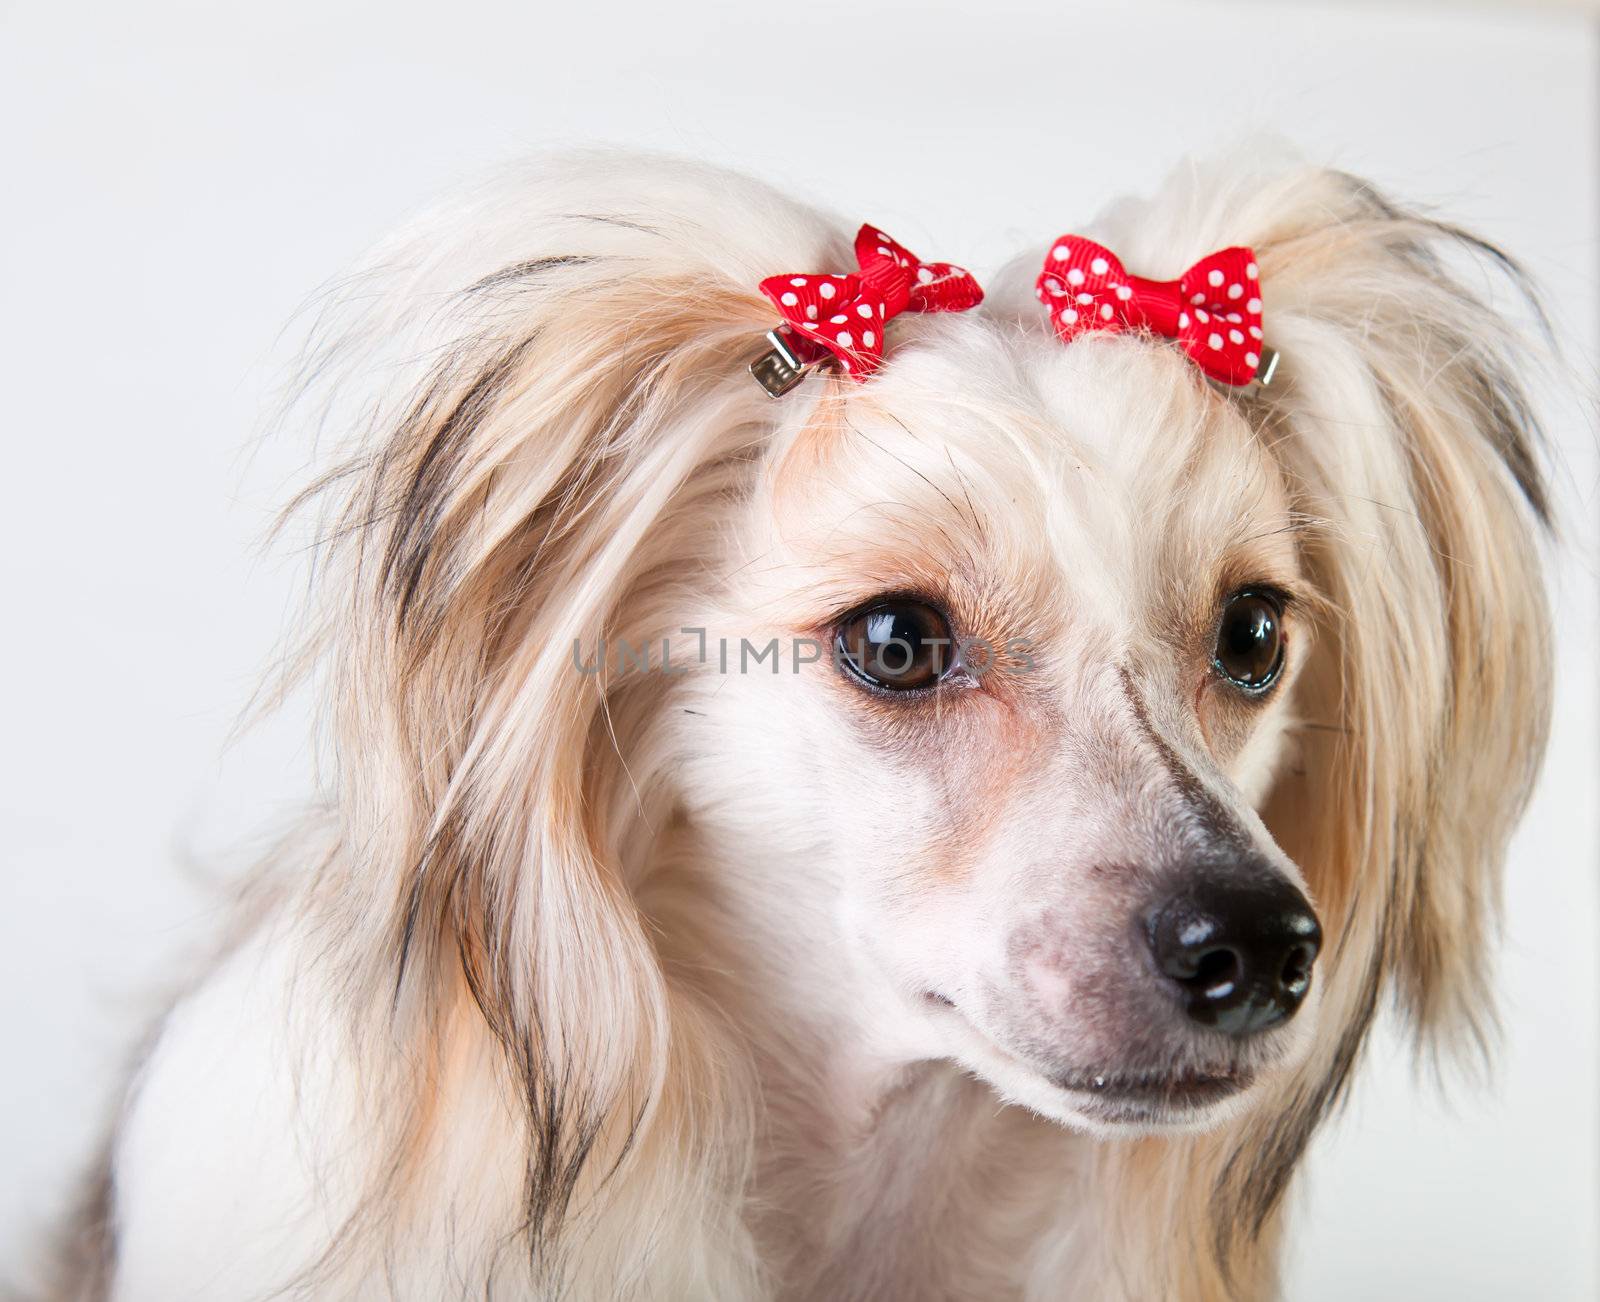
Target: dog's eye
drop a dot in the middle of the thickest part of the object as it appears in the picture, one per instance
(900, 645)
(1250, 640)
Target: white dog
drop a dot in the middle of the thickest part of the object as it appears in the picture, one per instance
(859, 843)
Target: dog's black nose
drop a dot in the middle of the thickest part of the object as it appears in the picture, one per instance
(1239, 949)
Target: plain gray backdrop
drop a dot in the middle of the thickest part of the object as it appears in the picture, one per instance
(179, 178)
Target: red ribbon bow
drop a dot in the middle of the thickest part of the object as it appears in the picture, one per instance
(845, 315)
(1213, 310)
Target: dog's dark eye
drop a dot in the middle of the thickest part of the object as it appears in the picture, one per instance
(1250, 640)
(900, 645)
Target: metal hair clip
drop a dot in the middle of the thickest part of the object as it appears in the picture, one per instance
(1265, 369)
(780, 368)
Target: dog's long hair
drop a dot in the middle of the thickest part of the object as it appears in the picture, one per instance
(549, 415)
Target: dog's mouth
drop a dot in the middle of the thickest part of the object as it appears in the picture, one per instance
(1149, 1096)
(1177, 1096)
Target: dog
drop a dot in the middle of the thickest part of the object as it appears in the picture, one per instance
(942, 831)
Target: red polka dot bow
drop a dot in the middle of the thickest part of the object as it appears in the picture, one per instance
(1213, 310)
(843, 316)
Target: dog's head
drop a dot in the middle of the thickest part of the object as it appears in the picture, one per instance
(1065, 611)
(1036, 706)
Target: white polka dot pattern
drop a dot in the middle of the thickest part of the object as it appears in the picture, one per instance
(1213, 310)
(890, 280)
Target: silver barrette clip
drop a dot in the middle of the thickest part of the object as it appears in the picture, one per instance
(781, 367)
(778, 369)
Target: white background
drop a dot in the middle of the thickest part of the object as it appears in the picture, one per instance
(177, 179)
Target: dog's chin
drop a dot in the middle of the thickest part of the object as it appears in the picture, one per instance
(1103, 1101)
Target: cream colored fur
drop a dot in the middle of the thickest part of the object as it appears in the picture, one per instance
(602, 986)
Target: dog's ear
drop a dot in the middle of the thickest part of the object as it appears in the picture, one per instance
(1400, 412)
(569, 356)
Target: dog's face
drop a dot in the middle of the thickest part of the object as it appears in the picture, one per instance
(1015, 801)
